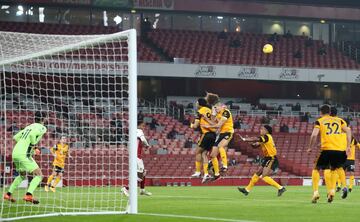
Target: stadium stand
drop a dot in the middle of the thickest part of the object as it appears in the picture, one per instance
(145, 53)
(207, 47)
(171, 157)
(168, 156)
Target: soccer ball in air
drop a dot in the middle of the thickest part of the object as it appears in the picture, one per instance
(268, 48)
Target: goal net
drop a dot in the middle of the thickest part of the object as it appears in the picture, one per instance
(86, 86)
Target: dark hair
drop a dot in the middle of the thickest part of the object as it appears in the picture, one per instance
(202, 102)
(39, 117)
(325, 109)
(333, 111)
(268, 128)
(212, 98)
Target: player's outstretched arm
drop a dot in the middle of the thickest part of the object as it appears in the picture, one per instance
(313, 137)
(250, 139)
(52, 150)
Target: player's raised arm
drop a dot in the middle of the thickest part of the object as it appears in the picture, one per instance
(251, 139)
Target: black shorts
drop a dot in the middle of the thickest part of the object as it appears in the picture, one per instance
(331, 159)
(58, 169)
(223, 136)
(207, 140)
(349, 166)
(271, 162)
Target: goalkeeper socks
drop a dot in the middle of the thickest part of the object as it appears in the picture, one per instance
(57, 180)
(315, 176)
(34, 184)
(223, 157)
(197, 167)
(50, 179)
(205, 168)
(142, 183)
(215, 163)
(16, 183)
(352, 178)
(342, 177)
(253, 181)
(272, 182)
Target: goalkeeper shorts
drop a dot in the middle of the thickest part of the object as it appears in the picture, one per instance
(140, 166)
(25, 164)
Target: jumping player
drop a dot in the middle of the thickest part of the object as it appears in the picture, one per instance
(224, 130)
(207, 138)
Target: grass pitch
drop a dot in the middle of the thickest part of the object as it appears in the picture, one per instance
(196, 204)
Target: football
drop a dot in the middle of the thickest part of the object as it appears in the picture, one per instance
(268, 48)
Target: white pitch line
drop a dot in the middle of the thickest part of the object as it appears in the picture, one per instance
(278, 199)
(194, 217)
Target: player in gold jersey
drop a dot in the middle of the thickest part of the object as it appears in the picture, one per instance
(334, 147)
(206, 140)
(349, 165)
(224, 129)
(341, 172)
(60, 152)
(269, 163)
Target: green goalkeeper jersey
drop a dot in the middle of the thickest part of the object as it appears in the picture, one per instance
(26, 138)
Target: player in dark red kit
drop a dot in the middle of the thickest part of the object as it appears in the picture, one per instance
(141, 172)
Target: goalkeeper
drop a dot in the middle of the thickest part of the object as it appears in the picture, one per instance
(26, 140)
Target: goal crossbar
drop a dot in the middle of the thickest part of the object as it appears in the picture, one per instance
(132, 103)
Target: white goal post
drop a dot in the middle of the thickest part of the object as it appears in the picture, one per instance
(87, 86)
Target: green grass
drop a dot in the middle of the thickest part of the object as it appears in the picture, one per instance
(212, 202)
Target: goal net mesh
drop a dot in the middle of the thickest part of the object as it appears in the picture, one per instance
(82, 83)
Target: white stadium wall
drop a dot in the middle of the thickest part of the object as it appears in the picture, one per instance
(206, 71)
(248, 72)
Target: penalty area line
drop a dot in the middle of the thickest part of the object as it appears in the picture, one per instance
(194, 217)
